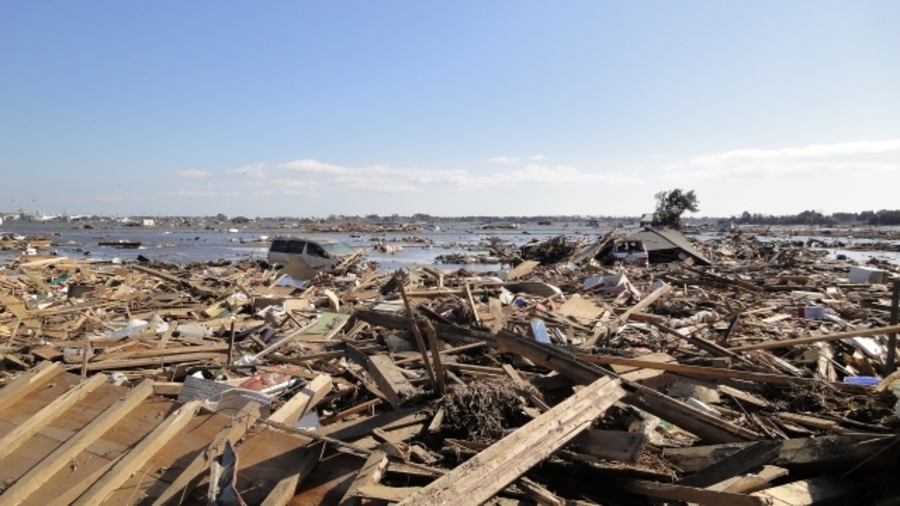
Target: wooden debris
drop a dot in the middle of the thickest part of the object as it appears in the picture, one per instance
(475, 481)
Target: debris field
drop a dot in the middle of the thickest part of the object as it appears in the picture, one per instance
(728, 372)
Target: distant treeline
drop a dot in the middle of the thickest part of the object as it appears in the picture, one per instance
(883, 217)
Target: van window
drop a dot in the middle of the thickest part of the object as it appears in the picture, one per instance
(279, 246)
(338, 249)
(313, 249)
(296, 247)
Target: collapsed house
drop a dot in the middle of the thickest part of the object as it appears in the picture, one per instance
(668, 245)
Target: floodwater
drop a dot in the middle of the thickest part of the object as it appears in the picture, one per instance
(184, 244)
(188, 244)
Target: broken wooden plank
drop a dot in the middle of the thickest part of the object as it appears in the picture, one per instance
(747, 459)
(523, 269)
(435, 357)
(164, 360)
(61, 457)
(390, 380)
(193, 473)
(370, 474)
(750, 482)
(420, 343)
(42, 418)
(820, 490)
(705, 425)
(712, 372)
(825, 450)
(645, 302)
(364, 426)
(787, 343)
(284, 490)
(692, 494)
(482, 476)
(28, 382)
(384, 493)
(303, 401)
(139, 455)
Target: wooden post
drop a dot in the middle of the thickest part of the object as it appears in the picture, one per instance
(435, 357)
(85, 352)
(472, 304)
(231, 345)
(892, 337)
(419, 341)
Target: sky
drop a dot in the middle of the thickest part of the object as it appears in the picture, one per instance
(448, 108)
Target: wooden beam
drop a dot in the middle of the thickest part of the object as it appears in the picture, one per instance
(646, 301)
(482, 476)
(446, 332)
(825, 450)
(708, 427)
(364, 426)
(139, 455)
(303, 401)
(370, 474)
(28, 382)
(691, 494)
(890, 363)
(176, 492)
(39, 474)
(155, 353)
(707, 346)
(359, 408)
(435, 357)
(420, 343)
(750, 482)
(713, 372)
(326, 355)
(472, 305)
(820, 490)
(18, 436)
(167, 388)
(390, 380)
(282, 493)
(765, 345)
(747, 459)
(383, 493)
(152, 361)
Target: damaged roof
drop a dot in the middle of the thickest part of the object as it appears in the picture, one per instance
(662, 243)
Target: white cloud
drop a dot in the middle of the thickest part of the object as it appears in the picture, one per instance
(543, 174)
(862, 157)
(319, 176)
(192, 174)
(257, 170)
(536, 157)
(503, 159)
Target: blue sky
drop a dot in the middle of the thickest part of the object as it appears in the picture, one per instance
(448, 108)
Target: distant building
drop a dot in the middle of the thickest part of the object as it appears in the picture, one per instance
(725, 225)
(647, 220)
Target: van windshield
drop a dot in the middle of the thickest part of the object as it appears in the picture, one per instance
(338, 249)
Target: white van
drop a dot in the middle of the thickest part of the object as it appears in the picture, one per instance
(321, 254)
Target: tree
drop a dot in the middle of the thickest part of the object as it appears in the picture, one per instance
(672, 204)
